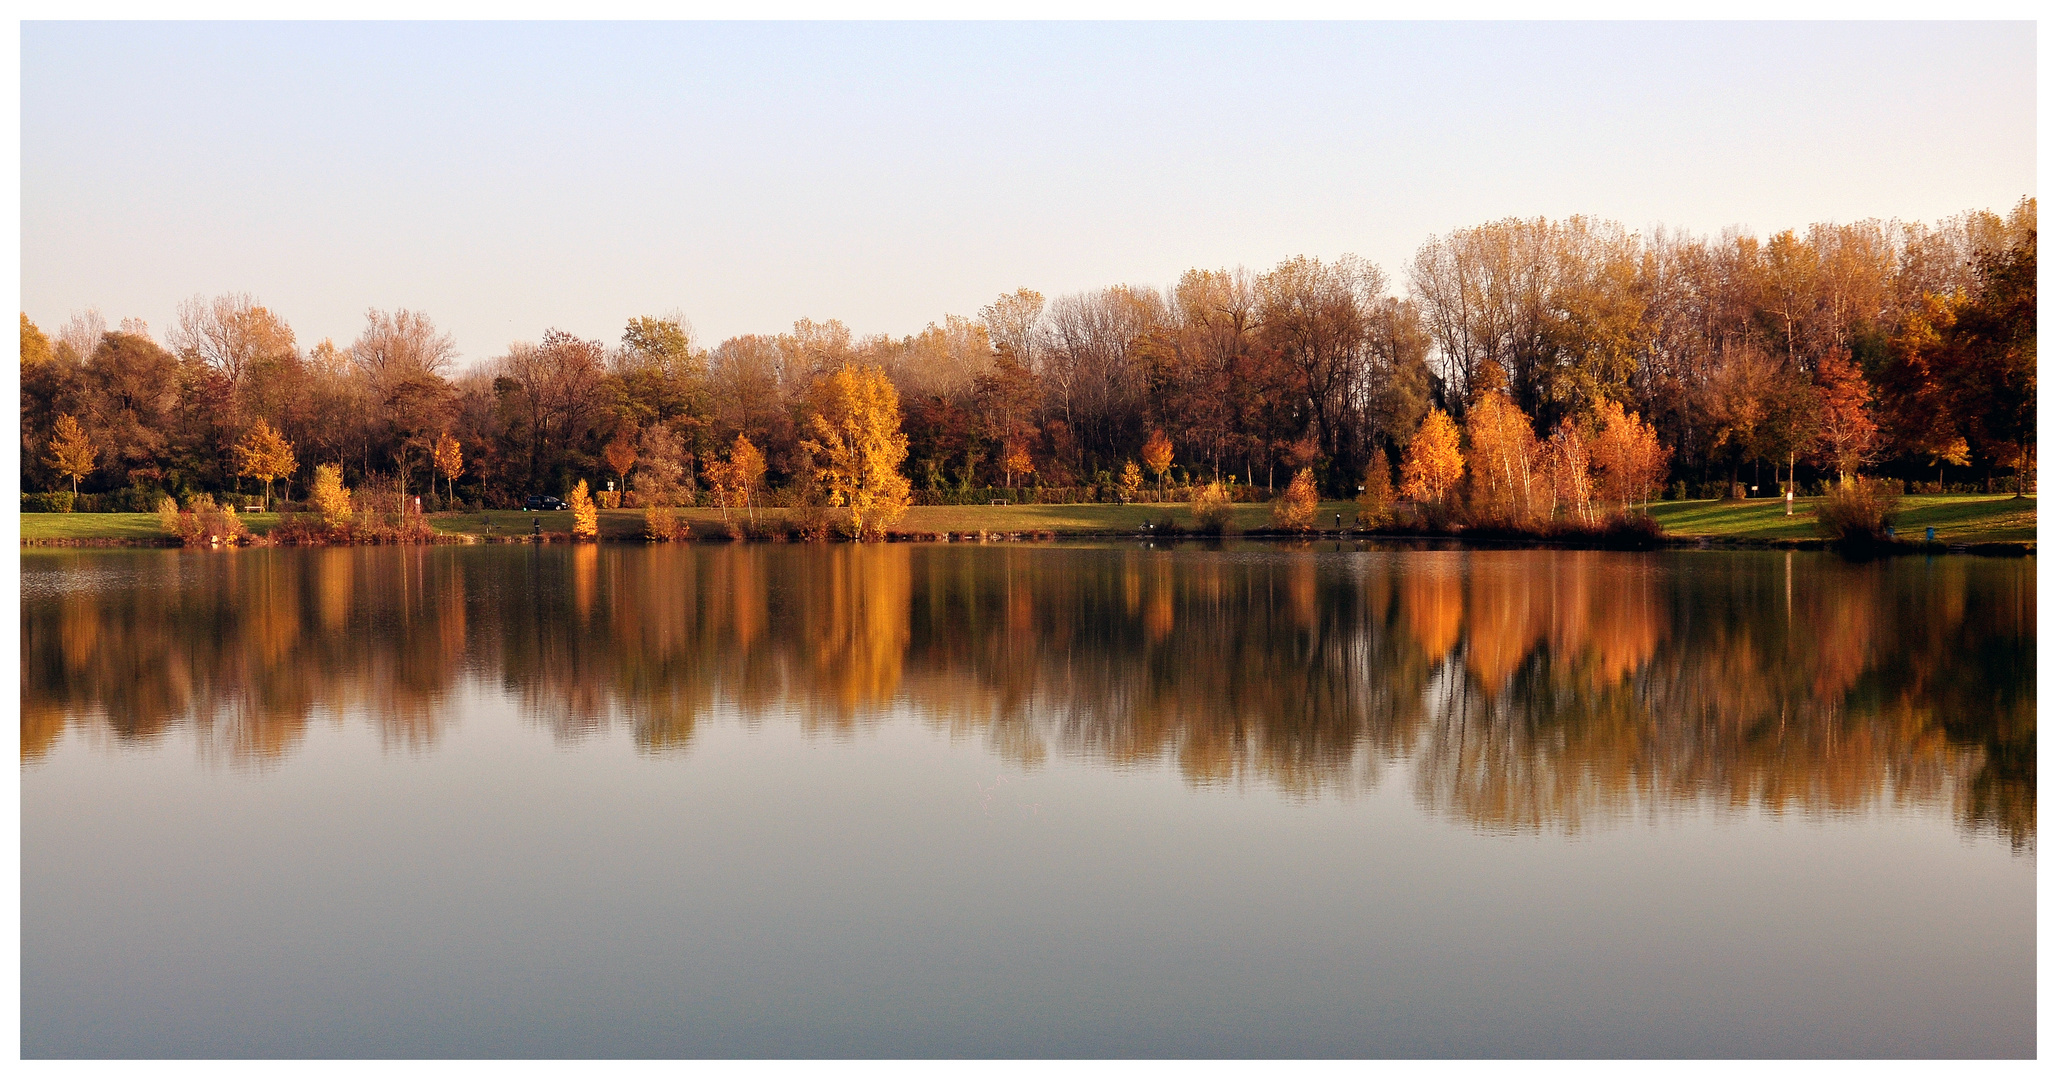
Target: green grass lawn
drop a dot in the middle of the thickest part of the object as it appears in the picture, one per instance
(1957, 519)
(113, 526)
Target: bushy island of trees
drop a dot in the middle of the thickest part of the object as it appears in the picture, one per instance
(1527, 375)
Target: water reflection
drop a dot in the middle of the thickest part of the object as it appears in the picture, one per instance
(1513, 690)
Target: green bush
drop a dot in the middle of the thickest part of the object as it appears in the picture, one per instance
(46, 502)
(41, 502)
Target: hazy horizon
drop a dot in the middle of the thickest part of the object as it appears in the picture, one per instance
(509, 177)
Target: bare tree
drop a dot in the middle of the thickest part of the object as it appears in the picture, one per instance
(230, 333)
(395, 345)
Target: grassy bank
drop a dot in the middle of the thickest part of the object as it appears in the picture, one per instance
(1958, 519)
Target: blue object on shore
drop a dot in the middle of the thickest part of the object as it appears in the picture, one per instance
(1932, 534)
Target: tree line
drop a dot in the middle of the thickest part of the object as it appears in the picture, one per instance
(1901, 348)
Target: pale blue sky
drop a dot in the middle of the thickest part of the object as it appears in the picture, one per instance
(506, 178)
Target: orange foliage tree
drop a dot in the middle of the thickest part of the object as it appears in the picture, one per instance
(1433, 463)
(1505, 460)
(1849, 434)
(1295, 509)
(1157, 458)
(1626, 451)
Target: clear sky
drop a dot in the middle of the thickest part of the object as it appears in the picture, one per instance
(507, 178)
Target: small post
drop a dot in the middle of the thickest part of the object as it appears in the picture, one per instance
(1932, 534)
(1789, 502)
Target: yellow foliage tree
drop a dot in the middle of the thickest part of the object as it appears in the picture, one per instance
(1157, 456)
(71, 453)
(1570, 459)
(1625, 450)
(585, 517)
(1213, 511)
(1015, 460)
(1131, 480)
(265, 455)
(330, 498)
(745, 472)
(449, 460)
(1375, 502)
(1433, 463)
(1295, 509)
(1505, 461)
(858, 446)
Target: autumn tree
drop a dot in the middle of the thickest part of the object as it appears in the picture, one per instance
(231, 333)
(745, 471)
(1295, 508)
(659, 377)
(1012, 321)
(1315, 317)
(857, 446)
(449, 460)
(1504, 460)
(1848, 431)
(1433, 463)
(1157, 456)
(585, 516)
(132, 390)
(621, 456)
(1625, 451)
(1014, 459)
(663, 459)
(1130, 479)
(264, 455)
(71, 453)
(1569, 462)
(1992, 380)
(329, 497)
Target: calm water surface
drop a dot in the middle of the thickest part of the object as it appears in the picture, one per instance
(915, 800)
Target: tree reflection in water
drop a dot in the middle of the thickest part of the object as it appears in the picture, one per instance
(1522, 690)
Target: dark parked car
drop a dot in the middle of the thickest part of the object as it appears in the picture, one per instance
(544, 502)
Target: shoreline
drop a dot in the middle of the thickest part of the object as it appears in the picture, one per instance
(1418, 541)
(1971, 524)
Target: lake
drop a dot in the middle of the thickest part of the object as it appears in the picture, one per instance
(912, 800)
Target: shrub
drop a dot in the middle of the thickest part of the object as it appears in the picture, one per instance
(46, 502)
(1295, 509)
(811, 522)
(1638, 531)
(202, 521)
(768, 527)
(661, 523)
(608, 500)
(1856, 512)
(1212, 512)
